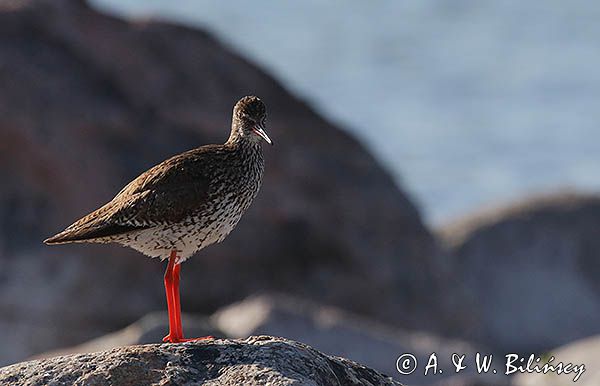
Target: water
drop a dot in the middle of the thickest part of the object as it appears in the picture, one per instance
(467, 103)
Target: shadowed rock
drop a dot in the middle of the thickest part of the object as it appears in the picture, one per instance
(88, 101)
(257, 361)
(531, 270)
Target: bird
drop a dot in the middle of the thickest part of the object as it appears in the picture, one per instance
(183, 204)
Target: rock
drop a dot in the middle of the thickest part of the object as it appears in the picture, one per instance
(328, 329)
(459, 380)
(260, 360)
(88, 101)
(532, 271)
(340, 333)
(584, 351)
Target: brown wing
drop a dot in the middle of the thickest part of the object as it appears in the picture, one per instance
(165, 194)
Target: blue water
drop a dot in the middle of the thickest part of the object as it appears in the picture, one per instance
(467, 103)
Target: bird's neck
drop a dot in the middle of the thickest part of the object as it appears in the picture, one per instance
(243, 145)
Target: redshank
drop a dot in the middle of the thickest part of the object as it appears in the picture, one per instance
(183, 204)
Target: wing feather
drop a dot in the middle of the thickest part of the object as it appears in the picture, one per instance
(165, 194)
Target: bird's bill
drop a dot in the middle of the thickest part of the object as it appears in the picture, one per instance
(260, 131)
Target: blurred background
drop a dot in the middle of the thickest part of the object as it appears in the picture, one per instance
(433, 188)
(511, 85)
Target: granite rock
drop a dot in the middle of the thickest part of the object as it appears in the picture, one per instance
(327, 329)
(260, 360)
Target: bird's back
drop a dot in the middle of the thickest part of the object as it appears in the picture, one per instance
(186, 203)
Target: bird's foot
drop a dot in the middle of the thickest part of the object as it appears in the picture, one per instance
(176, 339)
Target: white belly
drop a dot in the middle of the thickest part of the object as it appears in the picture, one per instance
(187, 238)
(197, 231)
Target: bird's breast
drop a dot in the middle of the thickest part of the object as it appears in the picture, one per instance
(232, 190)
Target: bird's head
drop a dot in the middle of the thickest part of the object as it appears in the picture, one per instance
(249, 120)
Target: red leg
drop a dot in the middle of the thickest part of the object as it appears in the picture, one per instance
(169, 291)
(176, 271)
(173, 302)
(178, 326)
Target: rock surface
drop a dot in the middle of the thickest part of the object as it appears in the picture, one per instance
(532, 271)
(340, 333)
(327, 329)
(88, 101)
(459, 380)
(257, 361)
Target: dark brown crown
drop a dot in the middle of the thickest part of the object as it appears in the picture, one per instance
(250, 107)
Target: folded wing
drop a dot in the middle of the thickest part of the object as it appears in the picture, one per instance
(167, 193)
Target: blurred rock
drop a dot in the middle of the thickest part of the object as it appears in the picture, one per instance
(328, 329)
(88, 101)
(259, 360)
(149, 329)
(584, 351)
(336, 332)
(532, 271)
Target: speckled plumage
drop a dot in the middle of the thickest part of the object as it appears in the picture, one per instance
(187, 202)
